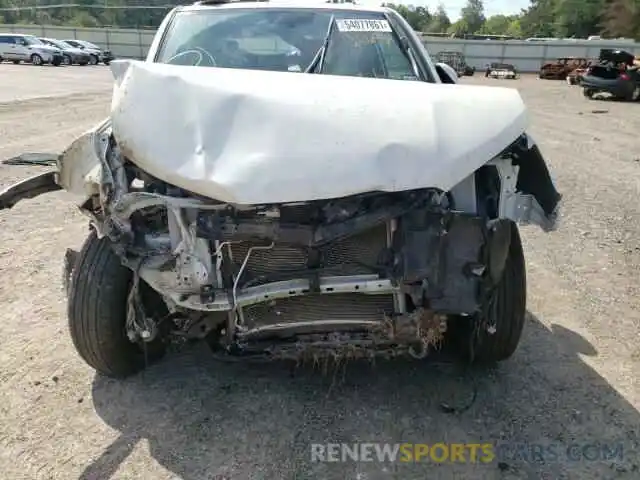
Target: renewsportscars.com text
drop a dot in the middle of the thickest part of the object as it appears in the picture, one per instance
(465, 452)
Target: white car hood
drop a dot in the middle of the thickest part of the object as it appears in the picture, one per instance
(254, 137)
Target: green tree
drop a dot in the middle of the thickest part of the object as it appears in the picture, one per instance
(514, 29)
(440, 22)
(538, 20)
(497, 24)
(473, 15)
(418, 17)
(621, 18)
(459, 28)
(577, 18)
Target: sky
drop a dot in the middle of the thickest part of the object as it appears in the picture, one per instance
(453, 7)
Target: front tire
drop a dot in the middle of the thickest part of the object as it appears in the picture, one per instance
(588, 93)
(499, 333)
(93, 60)
(97, 311)
(36, 59)
(66, 60)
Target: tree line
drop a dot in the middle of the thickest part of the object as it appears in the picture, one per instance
(543, 18)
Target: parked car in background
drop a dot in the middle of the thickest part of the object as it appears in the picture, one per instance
(18, 48)
(70, 54)
(501, 70)
(575, 76)
(559, 69)
(616, 75)
(98, 54)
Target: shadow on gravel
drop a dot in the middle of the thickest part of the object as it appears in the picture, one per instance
(209, 420)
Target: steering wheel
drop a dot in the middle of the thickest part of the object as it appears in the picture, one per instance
(193, 57)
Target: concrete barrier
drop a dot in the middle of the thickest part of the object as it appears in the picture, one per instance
(526, 56)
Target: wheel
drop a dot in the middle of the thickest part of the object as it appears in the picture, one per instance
(635, 95)
(16, 62)
(66, 60)
(97, 311)
(106, 62)
(587, 92)
(56, 62)
(36, 59)
(93, 60)
(501, 328)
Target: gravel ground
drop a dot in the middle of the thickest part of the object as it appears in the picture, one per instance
(573, 380)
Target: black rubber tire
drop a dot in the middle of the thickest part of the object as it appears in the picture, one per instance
(97, 307)
(36, 60)
(106, 62)
(588, 93)
(16, 62)
(93, 60)
(507, 314)
(66, 60)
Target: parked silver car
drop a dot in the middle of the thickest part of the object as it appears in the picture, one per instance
(98, 54)
(70, 54)
(27, 48)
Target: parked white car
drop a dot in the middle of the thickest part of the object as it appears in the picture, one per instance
(501, 70)
(299, 181)
(28, 48)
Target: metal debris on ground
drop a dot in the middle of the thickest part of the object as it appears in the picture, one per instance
(44, 159)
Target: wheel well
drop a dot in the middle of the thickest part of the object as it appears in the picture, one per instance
(488, 187)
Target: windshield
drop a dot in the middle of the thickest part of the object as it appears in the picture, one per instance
(33, 40)
(361, 43)
(88, 44)
(55, 43)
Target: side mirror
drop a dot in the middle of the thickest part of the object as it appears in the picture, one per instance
(446, 73)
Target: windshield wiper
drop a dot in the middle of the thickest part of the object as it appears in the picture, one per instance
(318, 59)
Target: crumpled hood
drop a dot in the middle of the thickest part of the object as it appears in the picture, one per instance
(252, 137)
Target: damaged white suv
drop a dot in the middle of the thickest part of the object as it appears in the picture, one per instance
(321, 190)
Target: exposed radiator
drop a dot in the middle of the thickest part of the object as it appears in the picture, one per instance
(317, 307)
(351, 256)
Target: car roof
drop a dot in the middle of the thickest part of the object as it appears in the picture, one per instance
(290, 4)
(18, 34)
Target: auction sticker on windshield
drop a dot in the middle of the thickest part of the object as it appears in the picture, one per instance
(359, 25)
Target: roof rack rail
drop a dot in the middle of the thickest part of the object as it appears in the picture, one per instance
(223, 2)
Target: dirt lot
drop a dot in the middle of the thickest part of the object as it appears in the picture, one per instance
(573, 381)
